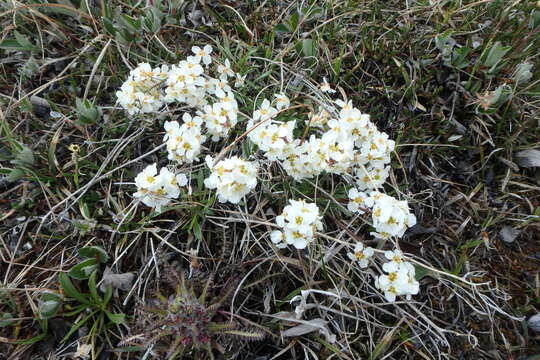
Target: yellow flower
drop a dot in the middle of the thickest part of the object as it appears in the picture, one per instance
(74, 148)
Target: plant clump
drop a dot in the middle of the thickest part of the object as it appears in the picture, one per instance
(342, 142)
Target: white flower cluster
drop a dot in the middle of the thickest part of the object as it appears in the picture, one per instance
(399, 279)
(299, 221)
(147, 90)
(142, 90)
(351, 143)
(399, 275)
(188, 82)
(336, 138)
(233, 178)
(390, 217)
(157, 190)
(184, 141)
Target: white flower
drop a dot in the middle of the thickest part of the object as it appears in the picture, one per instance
(239, 81)
(376, 149)
(296, 238)
(361, 255)
(157, 190)
(300, 221)
(371, 177)
(147, 179)
(390, 216)
(412, 287)
(83, 351)
(170, 128)
(396, 260)
(191, 123)
(219, 87)
(169, 183)
(319, 119)
(400, 279)
(278, 238)
(282, 101)
(274, 139)
(227, 101)
(393, 284)
(325, 87)
(358, 201)
(225, 69)
(181, 180)
(141, 92)
(203, 54)
(232, 178)
(184, 142)
(185, 83)
(264, 112)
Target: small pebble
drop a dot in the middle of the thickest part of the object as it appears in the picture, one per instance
(509, 234)
(534, 322)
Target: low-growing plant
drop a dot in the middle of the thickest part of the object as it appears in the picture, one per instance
(95, 305)
(194, 319)
(337, 139)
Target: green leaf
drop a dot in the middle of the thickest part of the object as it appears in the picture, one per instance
(495, 54)
(309, 47)
(197, 228)
(293, 21)
(420, 272)
(133, 25)
(11, 44)
(70, 290)
(24, 158)
(32, 340)
(50, 303)
(83, 270)
(15, 174)
(282, 28)
(129, 349)
(87, 112)
(152, 21)
(109, 26)
(108, 295)
(23, 40)
(6, 319)
(502, 94)
(77, 325)
(115, 318)
(534, 20)
(93, 289)
(96, 252)
(19, 43)
(459, 58)
(84, 226)
(76, 310)
(445, 43)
